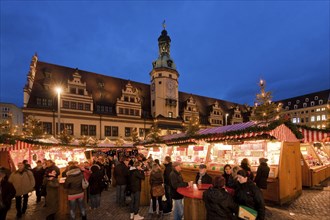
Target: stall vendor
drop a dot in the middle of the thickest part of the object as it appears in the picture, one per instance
(202, 177)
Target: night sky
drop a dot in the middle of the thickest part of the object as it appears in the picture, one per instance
(221, 48)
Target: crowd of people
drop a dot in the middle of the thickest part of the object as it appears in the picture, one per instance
(236, 187)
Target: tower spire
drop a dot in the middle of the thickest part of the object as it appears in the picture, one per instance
(164, 25)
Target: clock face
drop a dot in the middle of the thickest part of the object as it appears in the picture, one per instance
(170, 85)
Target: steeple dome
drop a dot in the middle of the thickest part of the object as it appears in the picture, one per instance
(164, 58)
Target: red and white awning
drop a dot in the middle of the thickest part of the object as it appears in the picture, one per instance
(314, 135)
(20, 145)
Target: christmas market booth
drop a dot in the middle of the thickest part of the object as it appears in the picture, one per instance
(276, 141)
(315, 159)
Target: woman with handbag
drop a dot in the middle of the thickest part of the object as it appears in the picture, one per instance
(157, 188)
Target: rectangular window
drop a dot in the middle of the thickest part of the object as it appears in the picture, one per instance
(294, 120)
(87, 107)
(126, 111)
(131, 111)
(69, 128)
(131, 99)
(92, 130)
(50, 102)
(306, 119)
(38, 101)
(44, 102)
(80, 91)
(141, 132)
(73, 105)
(137, 112)
(84, 130)
(324, 117)
(114, 131)
(66, 104)
(318, 118)
(127, 132)
(126, 98)
(102, 108)
(121, 111)
(170, 114)
(153, 102)
(312, 118)
(47, 127)
(72, 90)
(80, 106)
(107, 130)
(106, 109)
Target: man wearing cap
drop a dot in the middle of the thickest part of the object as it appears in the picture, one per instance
(176, 181)
(202, 177)
(262, 174)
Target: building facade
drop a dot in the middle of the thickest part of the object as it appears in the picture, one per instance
(11, 118)
(102, 106)
(311, 110)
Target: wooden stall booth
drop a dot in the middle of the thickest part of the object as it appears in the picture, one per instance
(230, 144)
(315, 159)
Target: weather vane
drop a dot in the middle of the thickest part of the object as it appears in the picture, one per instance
(164, 25)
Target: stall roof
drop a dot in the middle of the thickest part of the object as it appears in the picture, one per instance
(314, 135)
(223, 129)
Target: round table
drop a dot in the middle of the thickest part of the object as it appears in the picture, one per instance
(194, 207)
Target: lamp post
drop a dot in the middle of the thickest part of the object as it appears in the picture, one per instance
(58, 90)
(226, 118)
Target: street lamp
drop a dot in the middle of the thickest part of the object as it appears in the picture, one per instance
(58, 90)
(226, 118)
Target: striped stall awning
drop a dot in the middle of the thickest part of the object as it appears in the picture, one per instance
(20, 145)
(314, 135)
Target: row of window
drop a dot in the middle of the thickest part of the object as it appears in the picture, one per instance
(44, 102)
(312, 103)
(104, 108)
(306, 100)
(216, 121)
(306, 112)
(76, 105)
(5, 109)
(297, 120)
(74, 90)
(129, 111)
(90, 130)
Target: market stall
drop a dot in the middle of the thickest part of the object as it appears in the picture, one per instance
(315, 159)
(230, 144)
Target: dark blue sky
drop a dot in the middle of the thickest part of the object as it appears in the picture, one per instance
(221, 48)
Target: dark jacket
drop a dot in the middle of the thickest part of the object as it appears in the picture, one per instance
(73, 181)
(121, 173)
(262, 175)
(96, 184)
(167, 172)
(248, 171)
(206, 179)
(52, 198)
(135, 177)
(248, 194)
(51, 168)
(156, 178)
(38, 173)
(219, 204)
(176, 181)
(7, 193)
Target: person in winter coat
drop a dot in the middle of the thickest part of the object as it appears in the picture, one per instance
(202, 177)
(52, 200)
(248, 194)
(38, 173)
(121, 173)
(156, 179)
(167, 172)
(136, 174)
(73, 183)
(7, 193)
(23, 181)
(245, 165)
(176, 181)
(262, 174)
(219, 203)
(95, 186)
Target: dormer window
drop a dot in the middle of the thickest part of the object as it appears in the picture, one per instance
(320, 102)
(306, 99)
(316, 98)
(295, 106)
(305, 105)
(297, 101)
(312, 103)
(289, 103)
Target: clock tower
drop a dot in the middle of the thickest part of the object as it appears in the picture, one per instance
(164, 81)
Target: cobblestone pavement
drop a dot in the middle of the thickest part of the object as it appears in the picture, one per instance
(312, 204)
